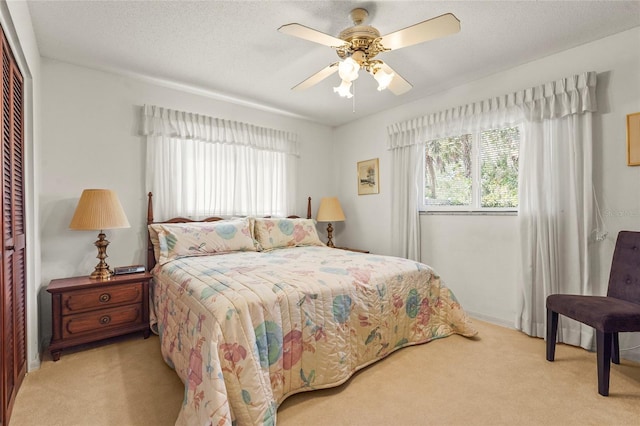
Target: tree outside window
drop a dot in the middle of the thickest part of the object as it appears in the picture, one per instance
(472, 172)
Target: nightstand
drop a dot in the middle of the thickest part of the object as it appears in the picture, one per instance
(351, 249)
(86, 310)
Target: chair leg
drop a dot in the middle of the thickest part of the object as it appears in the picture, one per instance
(603, 348)
(552, 333)
(615, 352)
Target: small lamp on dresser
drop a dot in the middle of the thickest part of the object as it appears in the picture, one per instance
(330, 211)
(97, 210)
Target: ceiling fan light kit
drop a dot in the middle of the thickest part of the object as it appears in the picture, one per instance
(348, 69)
(358, 45)
(344, 90)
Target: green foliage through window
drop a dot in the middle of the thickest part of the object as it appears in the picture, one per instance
(448, 171)
(499, 151)
(457, 173)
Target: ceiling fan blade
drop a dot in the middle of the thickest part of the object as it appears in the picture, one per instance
(430, 29)
(317, 77)
(310, 34)
(398, 85)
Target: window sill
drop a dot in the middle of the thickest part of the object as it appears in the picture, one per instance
(469, 212)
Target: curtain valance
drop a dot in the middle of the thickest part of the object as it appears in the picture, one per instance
(158, 121)
(560, 98)
(570, 95)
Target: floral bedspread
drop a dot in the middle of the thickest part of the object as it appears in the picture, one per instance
(247, 329)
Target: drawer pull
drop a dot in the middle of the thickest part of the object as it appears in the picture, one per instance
(105, 320)
(105, 297)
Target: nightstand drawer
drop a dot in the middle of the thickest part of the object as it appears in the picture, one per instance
(90, 322)
(98, 298)
(85, 310)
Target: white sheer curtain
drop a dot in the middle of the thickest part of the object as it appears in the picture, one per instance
(203, 166)
(556, 210)
(405, 192)
(406, 142)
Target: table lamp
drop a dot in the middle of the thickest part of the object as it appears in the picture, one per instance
(97, 210)
(330, 211)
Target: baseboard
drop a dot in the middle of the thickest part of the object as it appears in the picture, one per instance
(34, 364)
(492, 320)
(631, 355)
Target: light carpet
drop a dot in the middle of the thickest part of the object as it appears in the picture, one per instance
(500, 377)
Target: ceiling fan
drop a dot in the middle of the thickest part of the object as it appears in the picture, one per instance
(358, 45)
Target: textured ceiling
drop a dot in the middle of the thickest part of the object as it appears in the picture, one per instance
(232, 49)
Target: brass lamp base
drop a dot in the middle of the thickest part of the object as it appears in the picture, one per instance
(102, 271)
(330, 235)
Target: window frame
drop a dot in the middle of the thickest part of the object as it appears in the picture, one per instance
(476, 187)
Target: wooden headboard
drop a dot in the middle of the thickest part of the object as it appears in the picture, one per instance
(151, 259)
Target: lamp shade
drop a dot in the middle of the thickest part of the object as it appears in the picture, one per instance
(344, 90)
(99, 209)
(348, 69)
(330, 210)
(383, 79)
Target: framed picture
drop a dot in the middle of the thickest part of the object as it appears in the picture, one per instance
(633, 139)
(368, 177)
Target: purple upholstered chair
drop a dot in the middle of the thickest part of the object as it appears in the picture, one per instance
(618, 312)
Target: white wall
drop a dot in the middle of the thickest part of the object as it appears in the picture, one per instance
(16, 22)
(475, 254)
(91, 128)
(85, 135)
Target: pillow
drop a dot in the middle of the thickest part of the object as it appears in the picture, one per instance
(251, 220)
(155, 243)
(277, 233)
(177, 240)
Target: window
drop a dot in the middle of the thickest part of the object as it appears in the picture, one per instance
(204, 166)
(472, 171)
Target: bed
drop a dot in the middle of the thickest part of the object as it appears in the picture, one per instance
(252, 310)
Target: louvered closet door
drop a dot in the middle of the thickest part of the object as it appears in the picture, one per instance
(14, 357)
